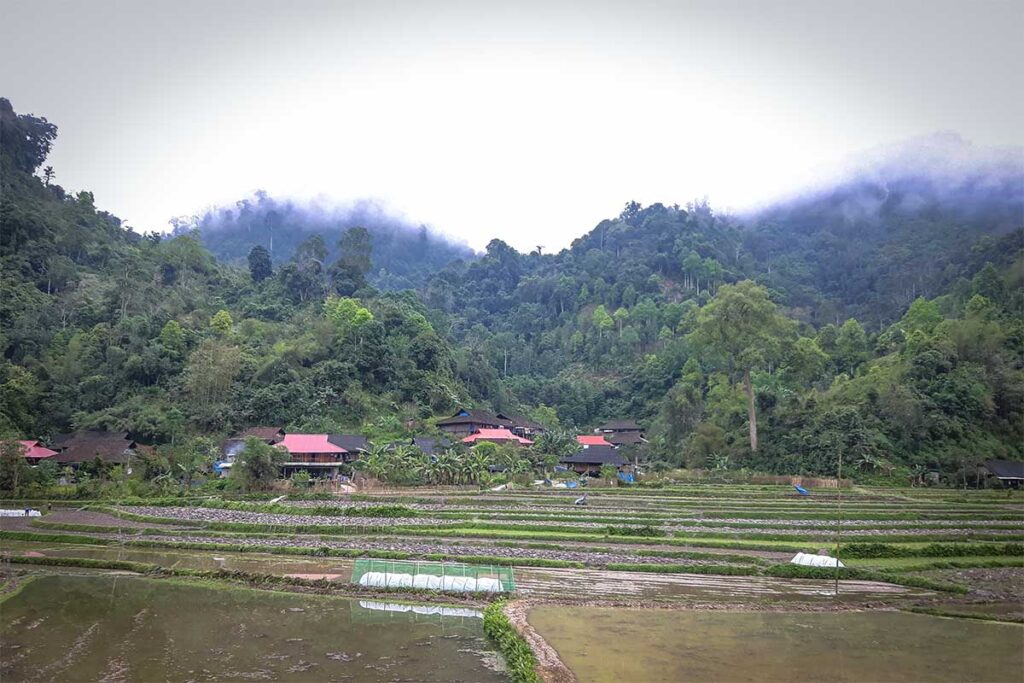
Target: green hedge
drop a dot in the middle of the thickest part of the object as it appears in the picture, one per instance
(521, 662)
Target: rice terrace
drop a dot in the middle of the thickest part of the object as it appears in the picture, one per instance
(695, 580)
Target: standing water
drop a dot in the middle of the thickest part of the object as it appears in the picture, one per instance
(134, 629)
(611, 644)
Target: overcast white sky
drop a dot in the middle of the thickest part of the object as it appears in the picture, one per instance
(529, 121)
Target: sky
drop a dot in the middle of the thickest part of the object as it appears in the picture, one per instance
(528, 121)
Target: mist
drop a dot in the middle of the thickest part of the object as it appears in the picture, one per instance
(404, 254)
(940, 171)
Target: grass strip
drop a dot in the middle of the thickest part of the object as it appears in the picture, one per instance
(957, 614)
(720, 569)
(885, 550)
(86, 528)
(913, 564)
(52, 538)
(519, 658)
(505, 561)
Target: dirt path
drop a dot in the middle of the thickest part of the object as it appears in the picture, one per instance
(549, 665)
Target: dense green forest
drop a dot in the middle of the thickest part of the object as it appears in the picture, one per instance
(404, 255)
(892, 333)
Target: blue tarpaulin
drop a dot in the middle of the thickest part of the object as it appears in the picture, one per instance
(801, 490)
(626, 477)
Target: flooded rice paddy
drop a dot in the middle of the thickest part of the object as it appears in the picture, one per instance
(662, 645)
(79, 628)
(596, 584)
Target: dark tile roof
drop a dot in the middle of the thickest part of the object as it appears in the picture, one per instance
(596, 455)
(272, 434)
(350, 442)
(624, 438)
(474, 415)
(519, 421)
(621, 426)
(84, 446)
(430, 446)
(1006, 469)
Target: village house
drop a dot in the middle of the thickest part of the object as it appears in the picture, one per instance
(1010, 473)
(234, 445)
(498, 436)
(322, 455)
(313, 453)
(33, 451)
(469, 420)
(588, 440)
(622, 432)
(589, 459)
(112, 448)
(520, 425)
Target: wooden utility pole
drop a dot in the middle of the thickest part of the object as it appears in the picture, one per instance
(839, 517)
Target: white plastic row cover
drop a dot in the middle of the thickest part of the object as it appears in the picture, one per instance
(808, 560)
(465, 584)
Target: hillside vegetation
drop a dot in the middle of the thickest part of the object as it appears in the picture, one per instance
(893, 335)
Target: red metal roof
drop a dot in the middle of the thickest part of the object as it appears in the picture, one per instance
(592, 440)
(495, 435)
(309, 443)
(35, 450)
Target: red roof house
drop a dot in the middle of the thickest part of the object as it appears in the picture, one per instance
(309, 444)
(35, 451)
(587, 440)
(496, 436)
(313, 452)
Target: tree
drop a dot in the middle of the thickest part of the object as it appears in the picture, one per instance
(621, 315)
(348, 315)
(348, 274)
(259, 264)
(258, 466)
(172, 337)
(609, 472)
(602, 321)
(741, 329)
(13, 469)
(851, 346)
(25, 138)
(209, 374)
(221, 322)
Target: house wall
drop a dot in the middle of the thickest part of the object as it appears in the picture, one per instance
(316, 457)
(465, 428)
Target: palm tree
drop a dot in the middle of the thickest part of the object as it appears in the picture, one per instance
(476, 467)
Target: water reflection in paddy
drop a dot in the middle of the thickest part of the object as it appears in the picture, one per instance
(137, 629)
(663, 645)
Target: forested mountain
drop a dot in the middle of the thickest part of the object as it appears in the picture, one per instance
(403, 255)
(774, 341)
